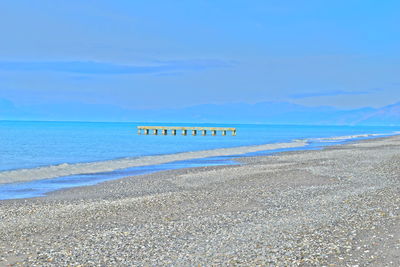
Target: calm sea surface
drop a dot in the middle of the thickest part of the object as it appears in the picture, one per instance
(47, 147)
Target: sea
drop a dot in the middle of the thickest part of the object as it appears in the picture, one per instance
(37, 158)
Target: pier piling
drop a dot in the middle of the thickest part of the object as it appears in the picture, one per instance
(164, 130)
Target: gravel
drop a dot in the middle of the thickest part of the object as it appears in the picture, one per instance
(333, 207)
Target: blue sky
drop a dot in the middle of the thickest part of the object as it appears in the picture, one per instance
(158, 54)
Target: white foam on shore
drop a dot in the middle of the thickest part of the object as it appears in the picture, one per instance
(348, 137)
(26, 175)
(54, 171)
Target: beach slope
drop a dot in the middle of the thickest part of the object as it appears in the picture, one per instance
(338, 206)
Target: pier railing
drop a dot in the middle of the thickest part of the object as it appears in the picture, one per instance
(184, 130)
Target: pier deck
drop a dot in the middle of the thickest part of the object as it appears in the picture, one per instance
(173, 129)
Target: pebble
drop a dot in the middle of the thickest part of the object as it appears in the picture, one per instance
(312, 208)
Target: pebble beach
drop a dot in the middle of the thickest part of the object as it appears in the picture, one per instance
(339, 206)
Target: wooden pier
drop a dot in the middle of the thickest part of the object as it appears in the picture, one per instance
(184, 130)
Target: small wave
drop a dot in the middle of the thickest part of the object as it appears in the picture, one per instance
(47, 172)
(348, 137)
(65, 169)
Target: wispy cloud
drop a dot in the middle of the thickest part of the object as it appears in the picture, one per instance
(91, 67)
(333, 93)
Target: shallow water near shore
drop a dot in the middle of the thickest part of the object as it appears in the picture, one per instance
(40, 157)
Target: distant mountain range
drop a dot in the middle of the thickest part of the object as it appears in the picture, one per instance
(265, 112)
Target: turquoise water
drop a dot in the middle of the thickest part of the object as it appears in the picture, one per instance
(44, 150)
